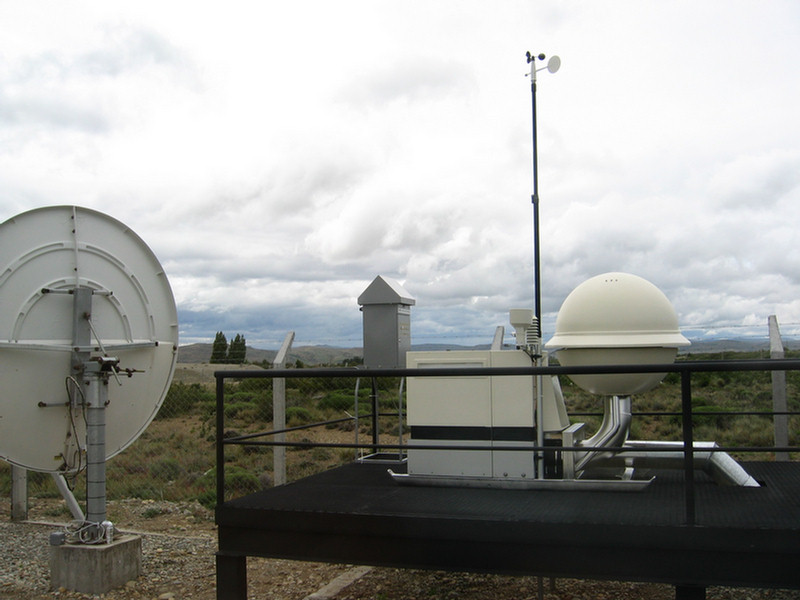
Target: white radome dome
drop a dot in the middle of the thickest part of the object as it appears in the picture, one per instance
(616, 318)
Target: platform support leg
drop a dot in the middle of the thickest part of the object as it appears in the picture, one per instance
(231, 577)
(690, 592)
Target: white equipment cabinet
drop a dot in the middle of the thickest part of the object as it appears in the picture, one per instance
(477, 411)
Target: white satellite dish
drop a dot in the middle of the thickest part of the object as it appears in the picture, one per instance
(46, 254)
(554, 64)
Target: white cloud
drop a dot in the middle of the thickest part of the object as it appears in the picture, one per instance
(278, 157)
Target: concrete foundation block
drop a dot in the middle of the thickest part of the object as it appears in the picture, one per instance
(96, 568)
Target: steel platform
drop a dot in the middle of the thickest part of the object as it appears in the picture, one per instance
(742, 537)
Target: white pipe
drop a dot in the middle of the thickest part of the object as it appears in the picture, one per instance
(613, 431)
(719, 465)
(69, 497)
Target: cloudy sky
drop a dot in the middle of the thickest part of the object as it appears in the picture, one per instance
(276, 157)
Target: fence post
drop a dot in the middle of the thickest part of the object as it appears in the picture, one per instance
(279, 413)
(497, 342)
(19, 493)
(778, 390)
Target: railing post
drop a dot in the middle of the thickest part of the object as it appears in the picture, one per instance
(279, 413)
(374, 397)
(220, 439)
(779, 405)
(688, 445)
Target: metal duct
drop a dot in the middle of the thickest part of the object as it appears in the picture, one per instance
(641, 455)
(613, 430)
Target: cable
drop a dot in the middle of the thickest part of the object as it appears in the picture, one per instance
(86, 532)
(74, 469)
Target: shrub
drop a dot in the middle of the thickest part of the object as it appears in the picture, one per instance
(241, 396)
(297, 415)
(167, 469)
(715, 420)
(257, 386)
(181, 399)
(338, 400)
(239, 408)
(5, 479)
(238, 481)
(208, 499)
(41, 485)
(264, 404)
(321, 454)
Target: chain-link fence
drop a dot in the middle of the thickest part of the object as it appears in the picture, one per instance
(731, 414)
(174, 458)
(169, 461)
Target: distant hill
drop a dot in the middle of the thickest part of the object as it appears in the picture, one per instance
(740, 345)
(309, 355)
(331, 355)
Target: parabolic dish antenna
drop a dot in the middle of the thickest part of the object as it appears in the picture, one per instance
(45, 255)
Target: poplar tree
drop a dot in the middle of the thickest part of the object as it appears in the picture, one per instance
(237, 350)
(219, 350)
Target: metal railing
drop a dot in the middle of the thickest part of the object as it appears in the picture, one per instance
(685, 369)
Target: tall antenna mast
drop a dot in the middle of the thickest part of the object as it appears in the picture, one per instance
(552, 65)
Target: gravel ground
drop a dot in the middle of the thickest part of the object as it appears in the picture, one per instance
(168, 561)
(179, 542)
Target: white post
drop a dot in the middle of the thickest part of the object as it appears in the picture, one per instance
(497, 342)
(69, 497)
(279, 412)
(778, 390)
(19, 493)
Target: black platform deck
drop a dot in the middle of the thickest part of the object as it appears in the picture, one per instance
(357, 514)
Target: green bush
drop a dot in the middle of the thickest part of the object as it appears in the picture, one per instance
(718, 419)
(208, 499)
(5, 479)
(151, 513)
(238, 482)
(182, 399)
(297, 415)
(241, 396)
(338, 401)
(167, 469)
(257, 386)
(321, 454)
(41, 485)
(234, 409)
(207, 408)
(265, 410)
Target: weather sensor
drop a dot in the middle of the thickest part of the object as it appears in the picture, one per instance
(474, 430)
(617, 319)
